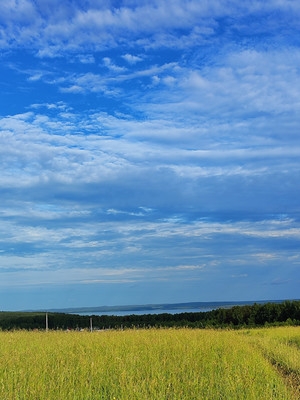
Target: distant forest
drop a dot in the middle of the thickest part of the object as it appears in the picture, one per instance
(256, 315)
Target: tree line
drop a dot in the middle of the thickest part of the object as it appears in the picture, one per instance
(256, 315)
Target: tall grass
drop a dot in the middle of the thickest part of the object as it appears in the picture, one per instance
(281, 347)
(142, 364)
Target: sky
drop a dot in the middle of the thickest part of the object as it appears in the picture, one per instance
(149, 152)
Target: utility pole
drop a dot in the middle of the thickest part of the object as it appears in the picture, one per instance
(46, 322)
(91, 324)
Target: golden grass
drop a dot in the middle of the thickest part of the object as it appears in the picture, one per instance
(281, 347)
(149, 364)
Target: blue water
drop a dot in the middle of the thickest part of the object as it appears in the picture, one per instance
(168, 308)
(138, 312)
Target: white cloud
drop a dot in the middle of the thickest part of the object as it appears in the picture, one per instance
(86, 58)
(132, 59)
(56, 149)
(69, 27)
(60, 105)
(265, 84)
(111, 66)
(146, 242)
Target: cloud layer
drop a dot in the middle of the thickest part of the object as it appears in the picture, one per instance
(149, 151)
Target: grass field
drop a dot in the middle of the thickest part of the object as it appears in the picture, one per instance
(151, 364)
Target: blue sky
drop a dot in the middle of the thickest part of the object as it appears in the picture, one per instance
(149, 152)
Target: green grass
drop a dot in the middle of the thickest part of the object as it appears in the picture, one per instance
(150, 364)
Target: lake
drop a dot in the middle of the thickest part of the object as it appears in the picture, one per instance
(165, 308)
